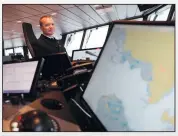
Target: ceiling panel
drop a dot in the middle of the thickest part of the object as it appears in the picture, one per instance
(13, 27)
(54, 7)
(101, 13)
(14, 12)
(24, 9)
(12, 18)
(8, 16)
(67, 6)
(40, 8)
(58, 22)
(63, 23)
(29, 20)
(62, 17)
(35, 19)
(91, 12)
(4, 19)
(71, 15)
(9, 24)
(78, 12)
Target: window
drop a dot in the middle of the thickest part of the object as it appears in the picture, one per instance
(17, 42)
(73, 42)
(151, 17)
(8, 44)
(8, 51)
(173, 17)
(163, 14)
(19, 50)
(95, 37)
(160, 15)
(138, 19)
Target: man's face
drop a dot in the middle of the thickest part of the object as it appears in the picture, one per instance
(47, 26)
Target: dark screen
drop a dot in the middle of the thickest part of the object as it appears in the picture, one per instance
(55, 64)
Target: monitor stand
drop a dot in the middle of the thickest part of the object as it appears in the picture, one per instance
(52, 104)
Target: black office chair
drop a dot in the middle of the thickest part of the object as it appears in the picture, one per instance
(30, 37)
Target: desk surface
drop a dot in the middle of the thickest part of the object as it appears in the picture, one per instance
(63, 116)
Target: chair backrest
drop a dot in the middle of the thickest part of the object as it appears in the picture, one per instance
(30, 37)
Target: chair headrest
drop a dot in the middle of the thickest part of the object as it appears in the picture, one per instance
(29, 36)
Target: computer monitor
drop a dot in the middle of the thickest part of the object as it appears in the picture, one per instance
(86, 54)
(55, 65)
(6, 58)
(132, 85)
(21, 78)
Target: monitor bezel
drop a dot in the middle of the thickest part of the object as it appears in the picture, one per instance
(84, 50)
(46, 77)
(33, 90)
(144, 23)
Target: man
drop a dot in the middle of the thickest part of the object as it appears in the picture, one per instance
(47, 44)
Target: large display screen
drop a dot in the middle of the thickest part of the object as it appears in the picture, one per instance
(18, 77)
(132, 86)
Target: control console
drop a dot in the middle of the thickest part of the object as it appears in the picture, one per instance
(34, 121)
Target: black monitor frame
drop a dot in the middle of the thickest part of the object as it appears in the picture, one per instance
(50, 65)
(83, 50)
(146, 23)
(33, 90)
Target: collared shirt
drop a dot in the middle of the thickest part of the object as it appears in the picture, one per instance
(51, 37)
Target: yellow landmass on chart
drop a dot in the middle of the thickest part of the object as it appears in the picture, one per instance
(157, 48)
(167, 118)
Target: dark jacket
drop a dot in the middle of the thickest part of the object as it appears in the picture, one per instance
(46, 46)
